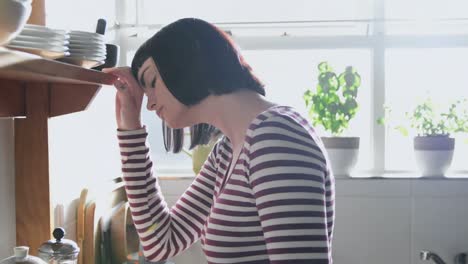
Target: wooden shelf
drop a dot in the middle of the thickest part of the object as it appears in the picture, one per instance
(71, 88)
(29, 67)
(36, 89)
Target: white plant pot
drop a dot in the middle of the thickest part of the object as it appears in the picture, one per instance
(343, 154)
(433, 155)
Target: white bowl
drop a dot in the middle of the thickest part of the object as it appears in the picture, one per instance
(13, 17)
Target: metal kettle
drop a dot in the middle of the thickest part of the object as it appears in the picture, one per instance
(59, 250)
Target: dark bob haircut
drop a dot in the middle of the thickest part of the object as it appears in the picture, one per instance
(196, 59)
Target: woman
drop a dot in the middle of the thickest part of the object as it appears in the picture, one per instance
(265, 193)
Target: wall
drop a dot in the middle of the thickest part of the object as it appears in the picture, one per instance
(391, 221)
(385, 221)
(7, 189)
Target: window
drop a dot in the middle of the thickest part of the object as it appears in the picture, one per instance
(67, 14)
(289, 73)
(423, 17)
(425, 9)
(283, 41)
(163, 12)
(401, 49)
(412, 74)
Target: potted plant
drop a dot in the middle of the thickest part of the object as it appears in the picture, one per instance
(433, 142)
(332, 106)
(200, 153)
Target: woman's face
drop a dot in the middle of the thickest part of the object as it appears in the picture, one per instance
(160, 100)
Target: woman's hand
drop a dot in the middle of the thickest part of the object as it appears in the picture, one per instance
(128, 99)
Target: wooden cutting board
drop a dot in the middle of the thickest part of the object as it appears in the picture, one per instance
(80, 218)
(88, 250)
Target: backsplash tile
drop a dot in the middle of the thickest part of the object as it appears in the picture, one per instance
(439, 225)
(372, 230)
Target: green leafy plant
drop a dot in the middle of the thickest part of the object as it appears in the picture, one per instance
(334, 103)
(200, 153)
(426, 119)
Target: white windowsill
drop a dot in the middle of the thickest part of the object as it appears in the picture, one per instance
(400, 175)
(405, 175)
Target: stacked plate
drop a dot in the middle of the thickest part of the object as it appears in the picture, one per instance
(43, 41)
(86, 49)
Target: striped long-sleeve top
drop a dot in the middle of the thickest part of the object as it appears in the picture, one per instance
(277, 206)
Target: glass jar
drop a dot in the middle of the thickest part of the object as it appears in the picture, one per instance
(59, 250)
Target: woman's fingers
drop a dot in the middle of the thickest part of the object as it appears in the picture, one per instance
(123, 73)
(125, 80)
(129, 98)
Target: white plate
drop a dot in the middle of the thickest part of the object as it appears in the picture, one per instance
(44, 29)
(51, 42)
(41, 39)
(97, 57)
(87, 41)
(42, 34)
(40, 46)
(87, 37)
(87, 47)
(87, 52)
(86, 34)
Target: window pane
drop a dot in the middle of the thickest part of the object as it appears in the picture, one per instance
(411, 74)
(427, 28)
(162, 12)
(165, 163)
(428, 17)
(426, 9)
(287, 74)
(79, 15)
(292, 72)
(83, 148)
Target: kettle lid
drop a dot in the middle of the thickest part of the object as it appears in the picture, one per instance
(59, 245)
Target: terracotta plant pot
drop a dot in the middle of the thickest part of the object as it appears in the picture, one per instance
(433, 154)
(343, 154)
